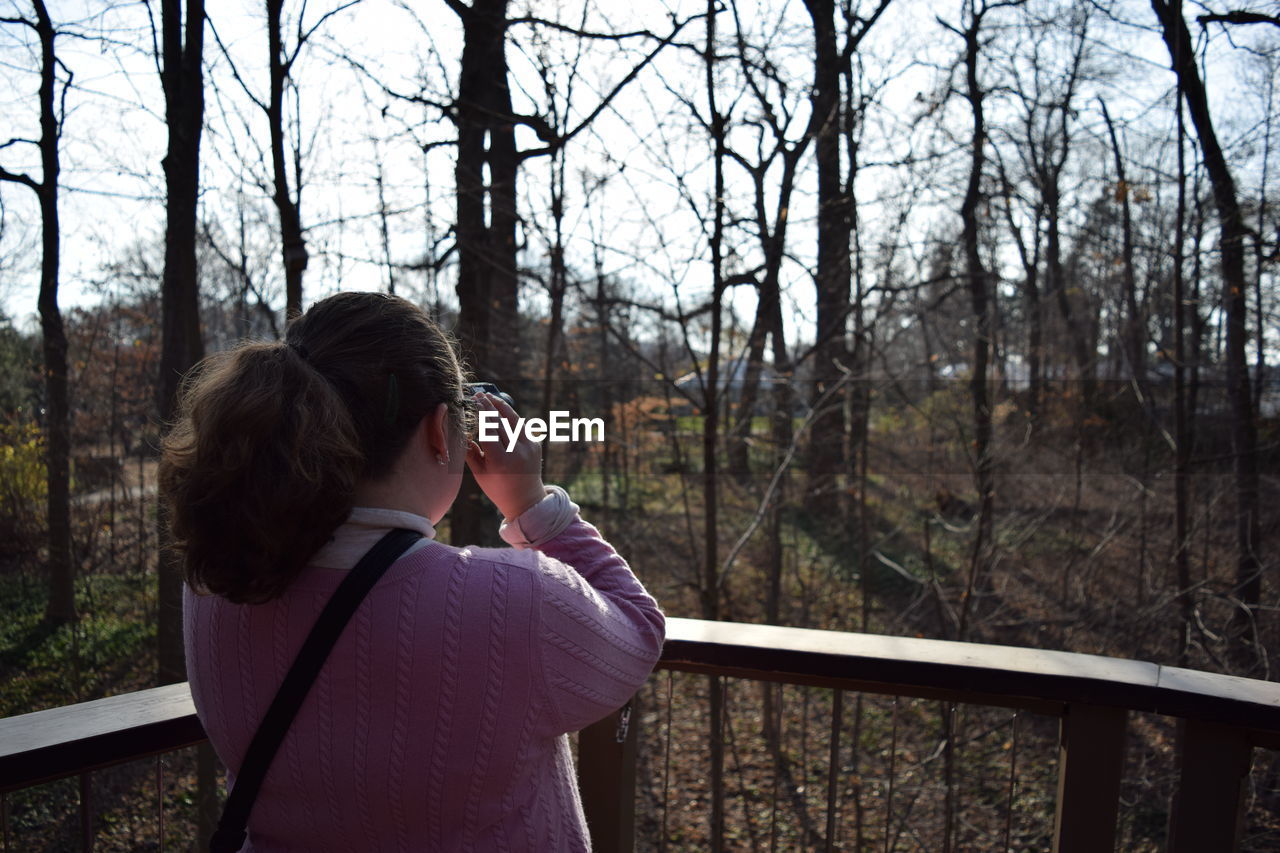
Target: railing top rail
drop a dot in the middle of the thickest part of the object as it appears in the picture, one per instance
(63, 741)
(58, 742)
(969, 672)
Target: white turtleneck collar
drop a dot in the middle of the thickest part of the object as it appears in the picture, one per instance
(362, 530)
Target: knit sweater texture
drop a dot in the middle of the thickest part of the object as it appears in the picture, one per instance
(439, 721)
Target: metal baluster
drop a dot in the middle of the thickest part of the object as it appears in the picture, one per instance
(1013, 782)
(893, 776)
(743, 791)
(666, 766)
(775, 698)
(802, 816)
(948, 773)
(833, 766)
(160, 802)
(86, 812)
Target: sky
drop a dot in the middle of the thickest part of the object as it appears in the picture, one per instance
(639, 163)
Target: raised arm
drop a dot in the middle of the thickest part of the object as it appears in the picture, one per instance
(600, 632)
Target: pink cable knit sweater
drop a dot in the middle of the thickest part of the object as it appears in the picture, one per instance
(439, 721)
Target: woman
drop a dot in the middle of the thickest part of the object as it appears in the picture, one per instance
(439, 720)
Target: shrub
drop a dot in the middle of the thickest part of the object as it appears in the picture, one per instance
(22, 489)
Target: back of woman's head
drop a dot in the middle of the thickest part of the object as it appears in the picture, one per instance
(271, 438)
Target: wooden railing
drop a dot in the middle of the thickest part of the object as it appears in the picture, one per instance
(1221, 719)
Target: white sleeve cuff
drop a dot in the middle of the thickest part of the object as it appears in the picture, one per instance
(541, 522)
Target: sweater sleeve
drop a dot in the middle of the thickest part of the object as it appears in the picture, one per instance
(600, 633)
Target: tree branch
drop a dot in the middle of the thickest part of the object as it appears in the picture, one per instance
(303, 36)
(235, 72)
(446, 108)
(608, 99)
(852, 39)
(18, 178)
(1238, 17)
(583, 34)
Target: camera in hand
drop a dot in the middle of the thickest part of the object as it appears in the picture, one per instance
(474, 388)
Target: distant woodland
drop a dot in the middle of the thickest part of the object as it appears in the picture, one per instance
(952, 320)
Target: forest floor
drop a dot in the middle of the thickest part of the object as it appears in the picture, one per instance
(1081, 561)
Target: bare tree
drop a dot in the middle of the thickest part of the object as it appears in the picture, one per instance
(833, 275)
(1181, 409)
(182, 78)
(288, 202)
(1048, 107)
(486, 174)
(1134, 336)
(717, 122)
(286, 165)
(1030, 246)
(980, 296)
(775, 117)
(1244, 428)
(61, 607)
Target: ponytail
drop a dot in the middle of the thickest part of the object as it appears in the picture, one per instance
(271, 439)
(258, 471)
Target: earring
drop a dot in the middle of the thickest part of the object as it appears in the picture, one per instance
(442, 459)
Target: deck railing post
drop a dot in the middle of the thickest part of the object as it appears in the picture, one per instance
(607, 779)
(1090, 764)
(1208, 809)
(208, 804)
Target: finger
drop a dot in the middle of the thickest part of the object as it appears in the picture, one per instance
(510, 421)
(508, 413)
(485, 405)
(475, 458)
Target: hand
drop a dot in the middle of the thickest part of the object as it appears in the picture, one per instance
(512, 479)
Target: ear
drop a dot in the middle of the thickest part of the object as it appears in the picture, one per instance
(434, 432)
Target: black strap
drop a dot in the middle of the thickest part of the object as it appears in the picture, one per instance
(230, 834)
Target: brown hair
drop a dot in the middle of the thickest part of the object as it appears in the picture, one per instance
(271, 438)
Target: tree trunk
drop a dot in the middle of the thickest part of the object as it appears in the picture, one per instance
(1259, 261)
(773, 244)
(487, 281)
(1030, 259)
(710, 426)
(1244, 430)
(293, 247)
(557, 285)
(739, 439)
(61, 607)
(1135, 332)
(1057, 285)
(979, 300)
(181, 345)
(606, 388)
(781, 433)
(827, 438)
(1181, 439)
(384, 226)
